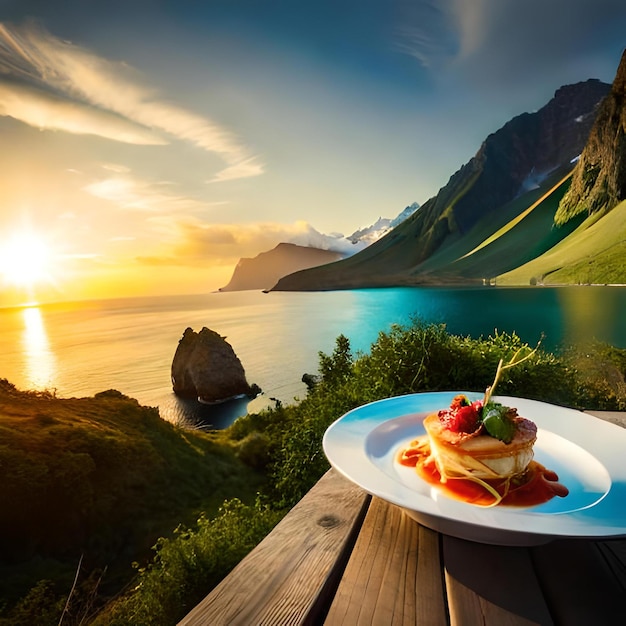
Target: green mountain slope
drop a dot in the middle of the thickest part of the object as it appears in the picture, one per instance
(599, 181)
(482, 197)
(519, 232)
(594, 253)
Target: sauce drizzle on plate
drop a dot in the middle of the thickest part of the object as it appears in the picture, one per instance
(534, 486)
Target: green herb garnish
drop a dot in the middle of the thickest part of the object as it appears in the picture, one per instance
(495, 417)
(498, 423)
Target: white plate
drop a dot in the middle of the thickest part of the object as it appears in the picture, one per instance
(587, 453)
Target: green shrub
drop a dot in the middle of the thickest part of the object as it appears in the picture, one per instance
(253, 450)
(188, 565)
(40, 606)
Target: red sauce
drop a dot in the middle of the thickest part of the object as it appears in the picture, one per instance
(535, 486)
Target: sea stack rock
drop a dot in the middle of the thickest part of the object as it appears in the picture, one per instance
(206, 366)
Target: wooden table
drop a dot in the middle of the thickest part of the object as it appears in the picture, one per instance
(342, 557)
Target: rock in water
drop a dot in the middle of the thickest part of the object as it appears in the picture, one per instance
(206, 366)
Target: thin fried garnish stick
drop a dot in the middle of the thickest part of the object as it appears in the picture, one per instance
(512, 362)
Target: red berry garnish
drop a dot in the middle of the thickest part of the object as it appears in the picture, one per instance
(462, 418)
(466, 419)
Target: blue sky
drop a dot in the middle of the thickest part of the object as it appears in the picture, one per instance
(153, 143)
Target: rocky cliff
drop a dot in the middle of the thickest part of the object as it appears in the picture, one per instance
(265, 269)
(510, 162)
(206, 367)
(599, 180)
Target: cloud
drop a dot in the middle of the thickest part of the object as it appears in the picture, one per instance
(512, 41)
(306, 235)
(427, 32)
(126, 191)
(471, 23)
(49, 77)
(48, 112)
(496, 47)
(244, 169)
(199, 242)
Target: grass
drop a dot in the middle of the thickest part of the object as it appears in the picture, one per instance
(517, 233)
(101, 477)
(593, 254)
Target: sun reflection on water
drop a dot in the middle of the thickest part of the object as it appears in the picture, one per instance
(583, 310)
(40, 361)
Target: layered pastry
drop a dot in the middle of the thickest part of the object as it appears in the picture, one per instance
(482, 454)
(462, 446)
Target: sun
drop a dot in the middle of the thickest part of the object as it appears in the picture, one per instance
(25, 259)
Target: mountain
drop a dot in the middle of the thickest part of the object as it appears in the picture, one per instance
(265, 269)
(521, 167)
(599, 180)
(593, 209)
(382, 226)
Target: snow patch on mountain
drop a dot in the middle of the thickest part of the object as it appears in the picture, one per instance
(370, 234)
(357, 241)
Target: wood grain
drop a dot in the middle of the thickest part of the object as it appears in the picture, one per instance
(583, 580)
(615, 417)
(394, 575)
(492, 585)
(288, 578)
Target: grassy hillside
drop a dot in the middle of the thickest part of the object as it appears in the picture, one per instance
(101, 477)
(593, 254)
(520, 245)
(500, 241)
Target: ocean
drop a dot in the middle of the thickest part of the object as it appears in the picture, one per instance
(79, 349)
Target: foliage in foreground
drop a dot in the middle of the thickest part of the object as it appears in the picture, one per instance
(189, 564)
(97, 480)
(286, 442)
(405, 360)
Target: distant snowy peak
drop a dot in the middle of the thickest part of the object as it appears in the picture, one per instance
(381, 227)
(369, 234)
(408, 211)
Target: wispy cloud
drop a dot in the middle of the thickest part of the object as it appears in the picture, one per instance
(50, 83)
(47, 111)
(427, 31)
(243, 169)
(471, 23)
(127, 191)
(508, 42)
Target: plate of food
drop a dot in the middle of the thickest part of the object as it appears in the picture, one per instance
(493, 469)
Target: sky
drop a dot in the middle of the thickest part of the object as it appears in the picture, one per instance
(148, 145)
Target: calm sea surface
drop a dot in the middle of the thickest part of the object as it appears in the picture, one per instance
(82, 348)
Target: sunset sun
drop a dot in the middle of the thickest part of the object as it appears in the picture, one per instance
(25, 260)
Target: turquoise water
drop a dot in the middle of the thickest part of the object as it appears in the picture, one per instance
(128, 344)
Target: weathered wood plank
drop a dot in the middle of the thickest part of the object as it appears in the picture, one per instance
(393, 576)
(580, 585)
(289, 577)
(492, 585)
